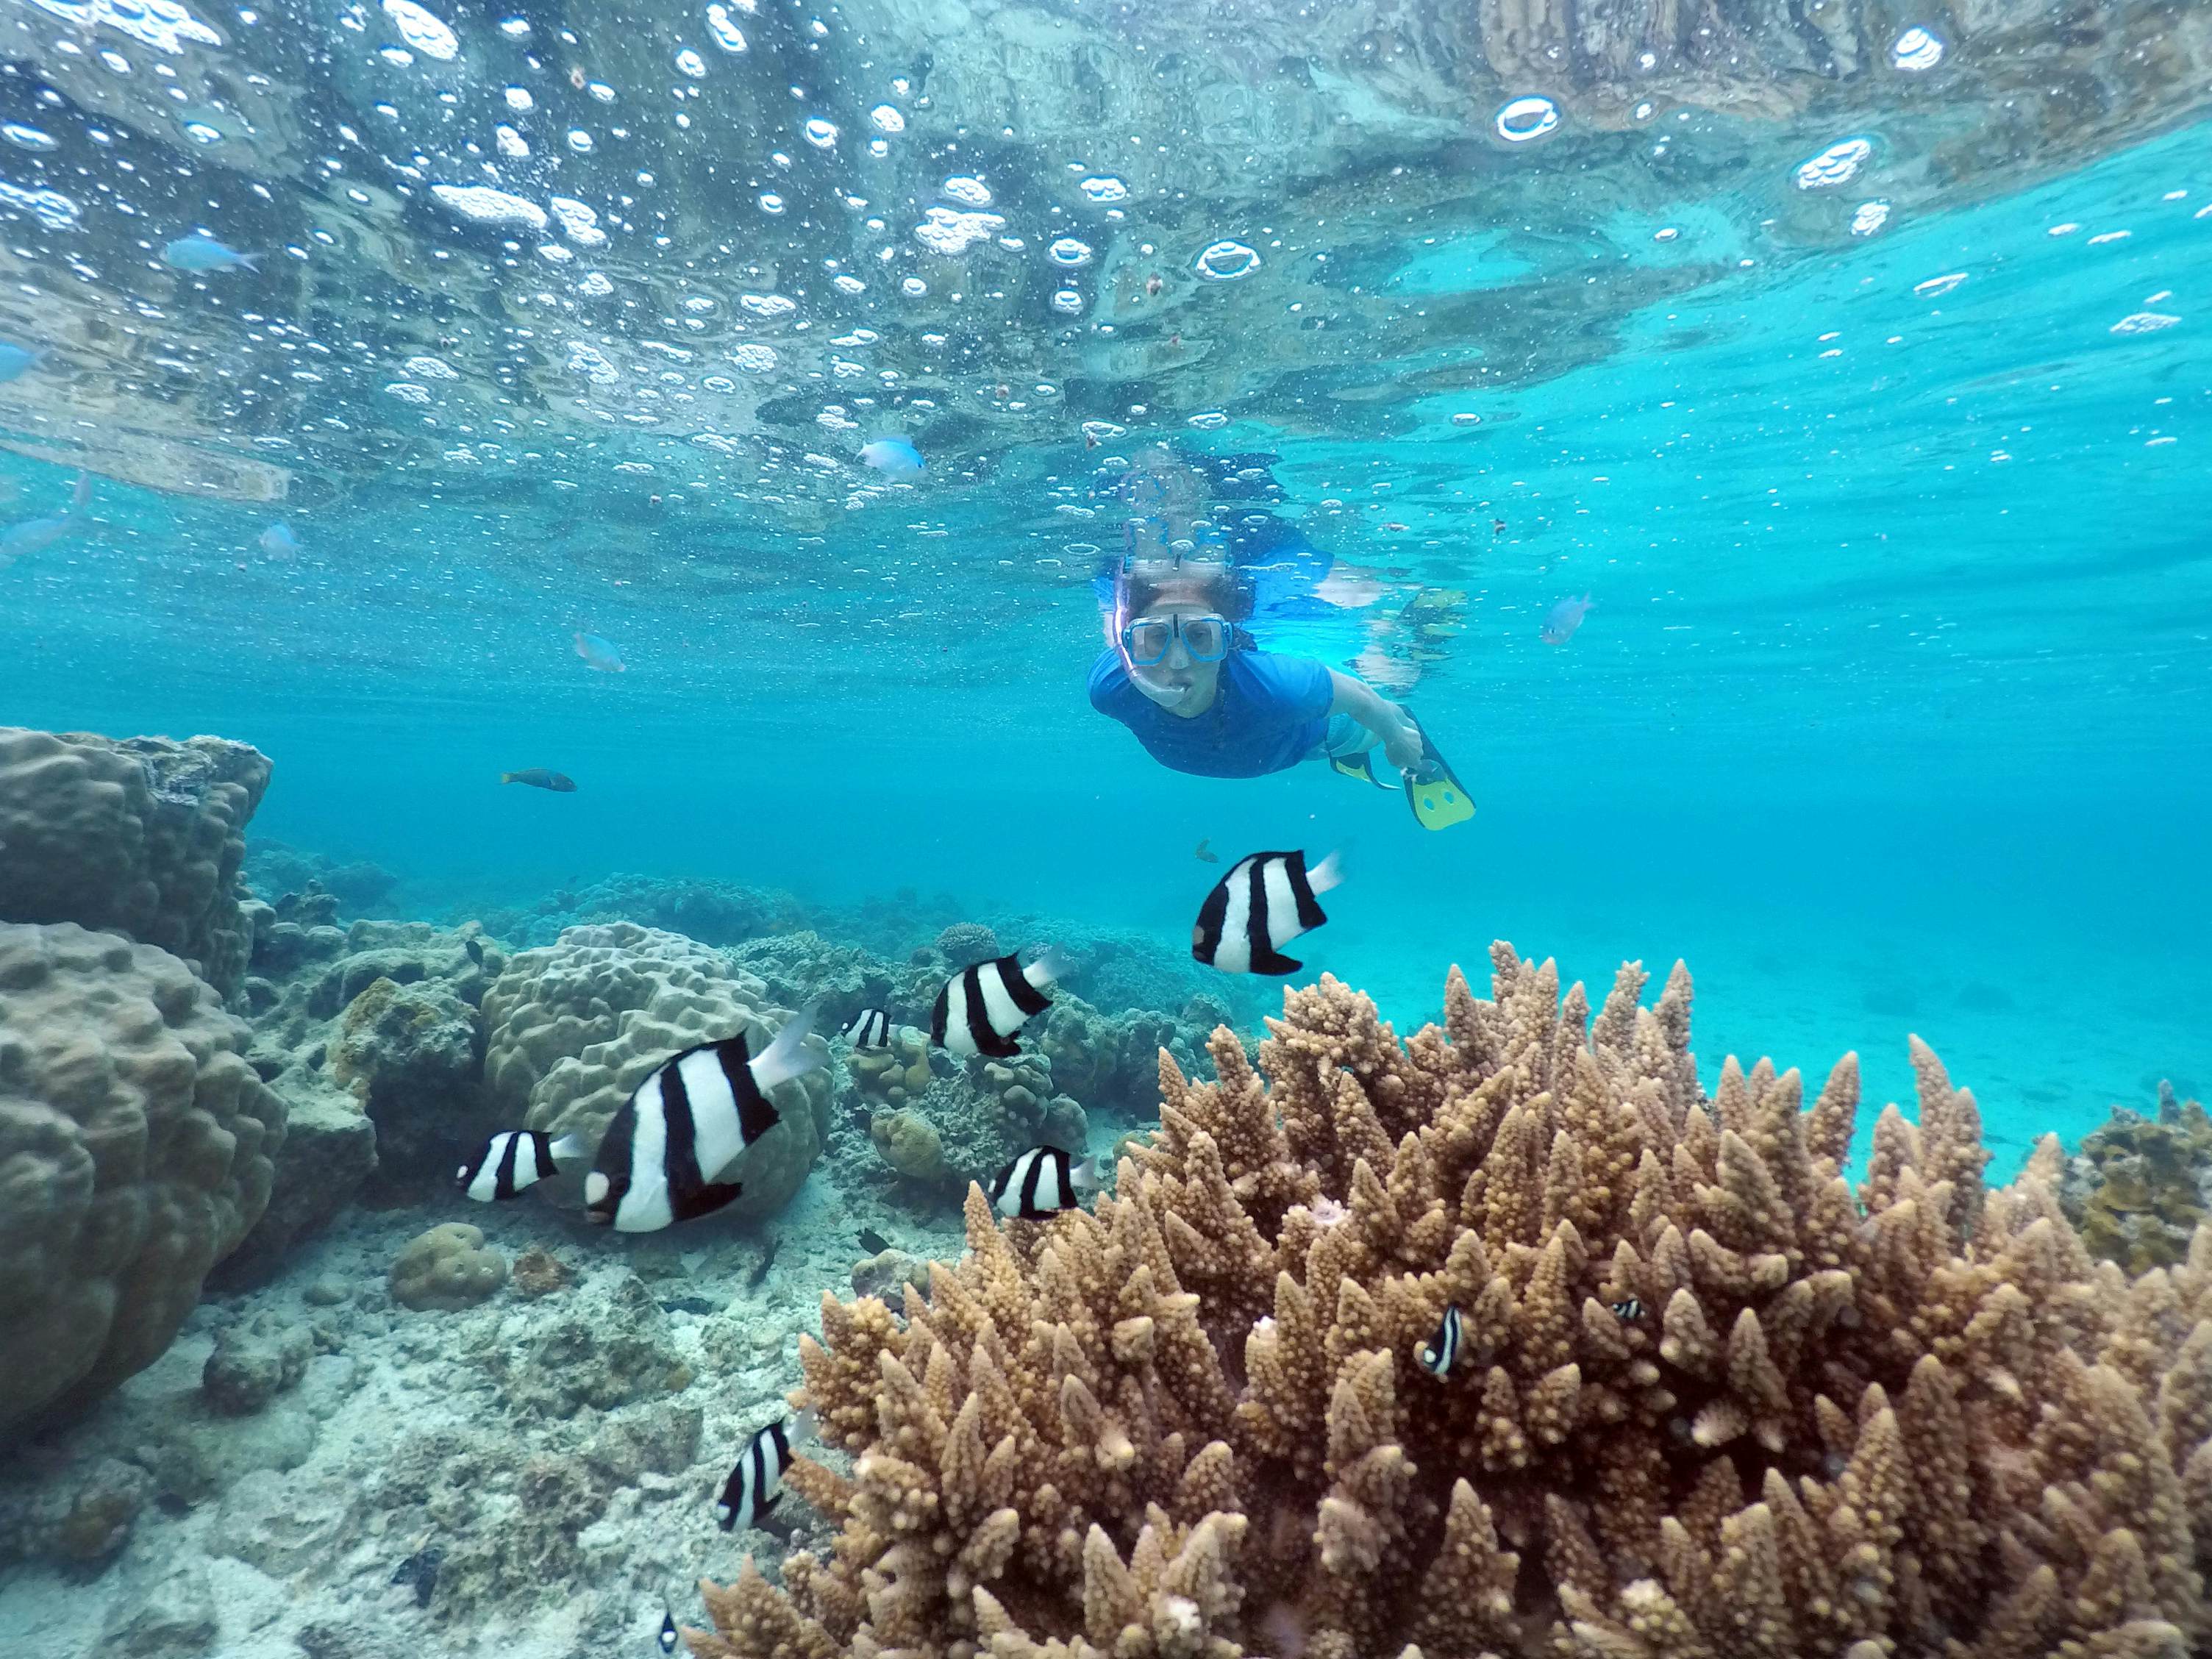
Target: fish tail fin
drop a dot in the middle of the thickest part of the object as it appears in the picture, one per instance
(1052, 964)
(507, 777)
(804, 1425)
(1328, 874)
(251, 261)
(788, 1056)
(1082, 1175)
(569, 1146)
(81, 493)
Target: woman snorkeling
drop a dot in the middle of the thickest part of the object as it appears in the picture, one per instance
(1183, 674)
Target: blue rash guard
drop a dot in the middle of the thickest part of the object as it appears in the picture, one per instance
(1268, 714)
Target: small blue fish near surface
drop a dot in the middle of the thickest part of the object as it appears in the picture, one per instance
(1565, 616)
(894, 457)
(199, 252)
(36, 535)
(278, 541)
(598, 652)
(16, 361)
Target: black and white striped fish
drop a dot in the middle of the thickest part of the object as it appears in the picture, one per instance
(753, 1486)
(1627, 1312)
(982, 1008)
(513, 1161)
(869, 1029)
(667, 1638)
(685, 1124)
(1264, 902)
(1436, 1355)
(1041, 1183)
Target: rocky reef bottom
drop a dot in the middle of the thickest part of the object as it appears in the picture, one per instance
(314, 1469)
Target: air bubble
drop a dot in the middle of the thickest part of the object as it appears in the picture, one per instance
(519, 98)
(515, 28)
(1838, 164)
(887, 120)
(1226, 261)
(822, 134)
(423, 31)
(727, 35)
(1104, 190)
(1067, 250)
(972, 192)
(1936, 286)
(1871, 217)
(201, 133)
(2144, 322)
(1916, 50)
(770, 202)
(755, 359)
(580, 141)
(691, 63)
(1528, 118)
(1067, 300)
(1208, 420)
(914, 287)
(1666, 233)
(25, 137)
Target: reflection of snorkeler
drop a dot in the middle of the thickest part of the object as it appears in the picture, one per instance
(1193, 686)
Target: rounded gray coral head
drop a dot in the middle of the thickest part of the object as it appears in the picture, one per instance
(136, 1149)
(573, 1027)
(966, 942)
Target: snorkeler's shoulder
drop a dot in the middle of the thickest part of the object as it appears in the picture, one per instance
(1110, 682)
(1272, 678)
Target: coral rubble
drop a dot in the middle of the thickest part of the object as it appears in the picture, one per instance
(2139, 1186)
(1711, 1400)
(141, 837)
(135, 1149)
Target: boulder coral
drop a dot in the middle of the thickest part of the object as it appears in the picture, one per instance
(573, 1027)
(135, 1149)
(1711, 1400)
(448, 1268)
(141, 837)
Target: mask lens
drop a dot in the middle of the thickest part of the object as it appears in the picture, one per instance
(1147, 642)
(1206, 638)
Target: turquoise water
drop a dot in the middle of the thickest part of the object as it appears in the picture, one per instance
(1893, 714)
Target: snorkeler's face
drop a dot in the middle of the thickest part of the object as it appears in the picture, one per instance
(1178, 682)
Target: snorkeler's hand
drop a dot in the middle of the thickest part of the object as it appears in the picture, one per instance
(1401, 742)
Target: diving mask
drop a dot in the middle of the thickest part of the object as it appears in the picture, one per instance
(1146, 640)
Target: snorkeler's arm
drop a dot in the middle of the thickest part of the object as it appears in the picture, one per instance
(1399, 737)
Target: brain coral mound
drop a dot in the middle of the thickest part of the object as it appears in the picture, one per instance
(134, 1152)
(1708, 1402)
(143, 837)
(571, 1028)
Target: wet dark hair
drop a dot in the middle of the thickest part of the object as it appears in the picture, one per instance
(1224, 590)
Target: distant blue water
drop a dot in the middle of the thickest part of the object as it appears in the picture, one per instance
(1893, 713)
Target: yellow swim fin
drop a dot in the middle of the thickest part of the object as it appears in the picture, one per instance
(1360, 766)
(1433, 791)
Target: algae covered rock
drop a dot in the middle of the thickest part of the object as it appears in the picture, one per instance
(329, 1151)
(2138, 1187)
(136, 1150)
(254, 1362)
(608, 1348)
(573, 1027)
(411, 1054)
(448, 1268)
(141, 837)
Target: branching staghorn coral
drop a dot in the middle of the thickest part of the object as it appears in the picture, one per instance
(1711, 1401)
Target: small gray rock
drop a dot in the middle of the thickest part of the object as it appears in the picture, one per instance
(168, 1618)
(325, 1292)
(882, 1275)
(251, 1365)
